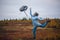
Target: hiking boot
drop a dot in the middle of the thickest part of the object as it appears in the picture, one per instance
(34, 37)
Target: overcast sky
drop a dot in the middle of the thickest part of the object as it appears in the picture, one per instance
(45, 8)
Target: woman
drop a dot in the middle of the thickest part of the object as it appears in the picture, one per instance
(36, 23)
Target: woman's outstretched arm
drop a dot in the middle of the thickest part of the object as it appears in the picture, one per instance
(31, 12)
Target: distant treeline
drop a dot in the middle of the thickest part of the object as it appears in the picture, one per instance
(16, 19)
(27, 19)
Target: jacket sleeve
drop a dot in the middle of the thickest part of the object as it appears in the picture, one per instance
(40, 18)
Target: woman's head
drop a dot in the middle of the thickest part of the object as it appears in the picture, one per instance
(36, 14)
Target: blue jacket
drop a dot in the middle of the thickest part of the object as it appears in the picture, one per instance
(35, 19)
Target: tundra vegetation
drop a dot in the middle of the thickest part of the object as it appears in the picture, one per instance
(21, 29)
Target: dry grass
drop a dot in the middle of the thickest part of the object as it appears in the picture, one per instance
(22, 30)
